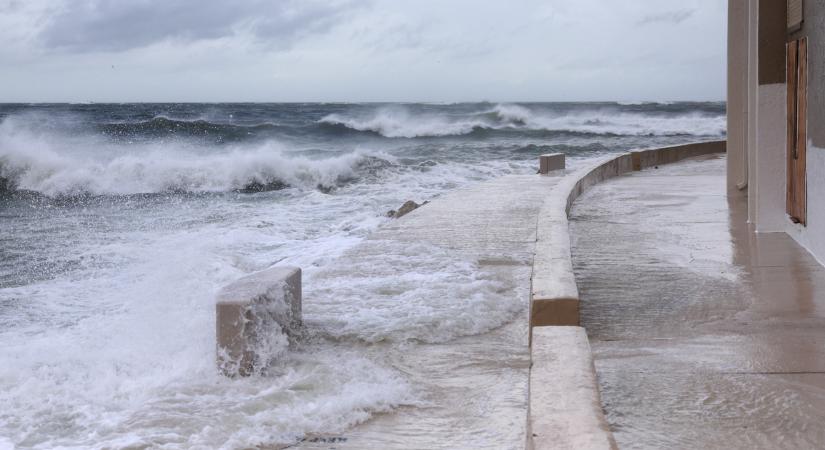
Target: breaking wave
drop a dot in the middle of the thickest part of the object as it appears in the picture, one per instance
(36, 163)
(400, 122)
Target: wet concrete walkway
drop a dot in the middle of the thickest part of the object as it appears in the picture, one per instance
(704, 334)
(464, 352)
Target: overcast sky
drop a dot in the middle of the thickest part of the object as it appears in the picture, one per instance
(361, 50)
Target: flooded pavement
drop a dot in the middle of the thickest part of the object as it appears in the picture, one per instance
(704, 334)
(459, 340)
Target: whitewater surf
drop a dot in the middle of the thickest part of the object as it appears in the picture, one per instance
(119, 223)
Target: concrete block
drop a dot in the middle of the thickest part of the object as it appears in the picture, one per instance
(554, 295)
(550, 162)
(249, 310)
(565, 409)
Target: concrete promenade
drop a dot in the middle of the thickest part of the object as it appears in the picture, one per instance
(704, 335)
(472, 387)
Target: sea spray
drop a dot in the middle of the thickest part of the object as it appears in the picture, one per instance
(28, 162)
(125, 220)
(399, 122)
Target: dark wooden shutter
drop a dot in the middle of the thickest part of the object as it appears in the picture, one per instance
(797, 71)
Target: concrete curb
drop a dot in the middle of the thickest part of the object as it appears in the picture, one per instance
(566, 411)
(562, 410)
(554, 296)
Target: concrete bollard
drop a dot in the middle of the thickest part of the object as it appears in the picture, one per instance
(248, 311)
(550, 162)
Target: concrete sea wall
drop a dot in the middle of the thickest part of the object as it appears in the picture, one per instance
(563, 401)
(564, 406)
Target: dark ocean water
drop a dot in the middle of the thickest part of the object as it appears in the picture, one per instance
(119, 222)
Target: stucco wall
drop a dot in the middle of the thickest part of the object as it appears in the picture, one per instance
(770, 162)
(814, 29)
(752, 113)
(737, 105)
(766, 120)
(812, 237)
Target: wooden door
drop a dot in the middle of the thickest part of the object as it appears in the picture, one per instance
(797, 71)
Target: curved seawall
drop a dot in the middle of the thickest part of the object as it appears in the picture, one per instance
(564, 406)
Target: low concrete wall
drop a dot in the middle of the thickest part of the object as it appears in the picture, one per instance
(655, 157)
(565, 408)
(554, 298)
(249, 311)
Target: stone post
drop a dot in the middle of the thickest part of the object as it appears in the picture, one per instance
(248, 311)
(550, 162)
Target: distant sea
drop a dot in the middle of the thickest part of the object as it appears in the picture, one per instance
(119, 222)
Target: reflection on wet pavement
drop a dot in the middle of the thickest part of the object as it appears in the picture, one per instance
(704, 334)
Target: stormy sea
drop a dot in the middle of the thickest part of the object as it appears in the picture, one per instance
(120, 222)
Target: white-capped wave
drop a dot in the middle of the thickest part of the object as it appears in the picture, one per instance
(38, 163)
(397, 122)
(401, 122)
(512, 113)
(133, 364)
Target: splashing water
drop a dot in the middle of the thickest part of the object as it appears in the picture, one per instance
(119, 223)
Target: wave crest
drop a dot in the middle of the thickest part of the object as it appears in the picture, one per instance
(33, 163)
(399, 122)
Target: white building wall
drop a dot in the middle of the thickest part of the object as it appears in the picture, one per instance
(765, 122)
(812, 236)
(752, 80)
(737, 105)
(770, 159)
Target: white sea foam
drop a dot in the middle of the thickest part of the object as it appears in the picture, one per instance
(397, 291)
(632, 124)
(397, 121)
(513, 114)
(119, 351)
(131, 362)
(123, 348)
(44, 164)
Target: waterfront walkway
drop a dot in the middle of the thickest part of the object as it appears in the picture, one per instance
(471, 378)
(704, 334)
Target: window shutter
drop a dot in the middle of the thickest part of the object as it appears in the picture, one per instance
(795, 16)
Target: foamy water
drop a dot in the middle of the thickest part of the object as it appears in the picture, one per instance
(119, 223)
(396, 121)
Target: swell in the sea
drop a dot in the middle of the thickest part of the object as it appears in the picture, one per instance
(483, 120)
(255, 170)
(35, 163)
(165, 153)
(400, 122)
(164, 127)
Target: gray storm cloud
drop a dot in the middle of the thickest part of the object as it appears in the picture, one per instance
(114, 25)
(361, 50)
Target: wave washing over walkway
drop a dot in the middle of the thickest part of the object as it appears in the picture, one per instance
(704, 334)
(119, 223)
(469, 369)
